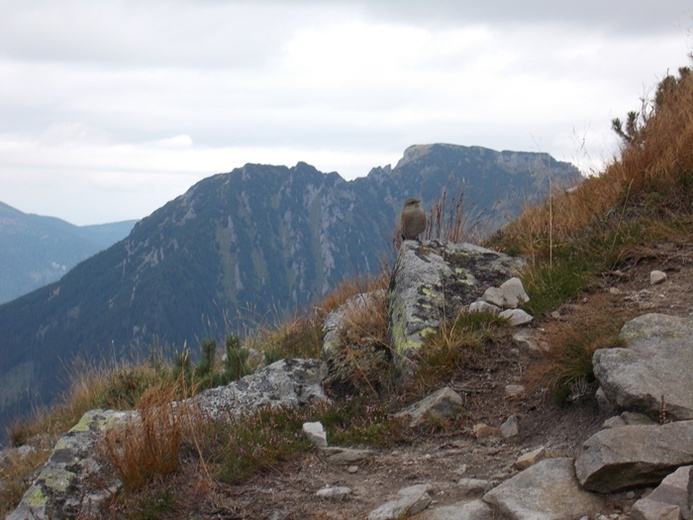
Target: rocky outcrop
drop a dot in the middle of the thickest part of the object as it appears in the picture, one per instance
(287, 382)
(73, 481)
(432, 282)
(653, 373)
(635, 455)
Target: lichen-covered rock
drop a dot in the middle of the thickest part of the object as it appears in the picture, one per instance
(287, 382)
(432, 282)
(73, 481)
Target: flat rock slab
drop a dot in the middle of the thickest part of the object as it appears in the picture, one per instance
(656, 365)
(635, 455)
(546, 491)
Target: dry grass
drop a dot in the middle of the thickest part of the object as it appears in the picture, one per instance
(660, 163)
(149, 445)
(566, 369)
(15, 472)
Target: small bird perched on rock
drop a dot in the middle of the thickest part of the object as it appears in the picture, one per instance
(413, 219)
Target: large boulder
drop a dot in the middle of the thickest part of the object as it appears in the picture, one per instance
(546, 491)
(433, 281)
(635, 455)
(653, 373)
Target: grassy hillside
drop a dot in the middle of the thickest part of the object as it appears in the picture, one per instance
(644, 196)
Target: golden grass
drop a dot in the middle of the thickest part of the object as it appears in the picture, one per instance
(567, 365)
(661, 162)
(149, 445)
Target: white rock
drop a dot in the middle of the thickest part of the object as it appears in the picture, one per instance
(513, 293)
(657, 277)
(482, 306)
(494, 296)
(516, 317)
(316, 433)
(338, 492)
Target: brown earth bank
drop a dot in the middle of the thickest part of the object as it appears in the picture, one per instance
(441, 455)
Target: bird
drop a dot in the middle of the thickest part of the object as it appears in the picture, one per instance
(413, 220)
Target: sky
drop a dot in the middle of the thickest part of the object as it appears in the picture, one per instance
(111, 108)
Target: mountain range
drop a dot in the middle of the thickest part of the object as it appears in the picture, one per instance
(238, 247)
(38, 250)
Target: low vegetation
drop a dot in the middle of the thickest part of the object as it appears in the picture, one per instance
(643, 196)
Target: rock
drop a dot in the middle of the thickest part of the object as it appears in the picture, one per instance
(516, 317)
(548, 490)
(287, 382)
(481, 306)
(442, 404)
(316, 434)
(634, 455)
(528, 338)
(669, 500)
(603, 403)
(530, 459)
(337, 492)
(655, 364)
(627, 418)
(493, 296)
(434, 280)
(73, 482)
(657, 277)
(513, 293)
(472, 487)
(338, 455)
(510, 427)
(474, 510)
(413, 499)
(636, 418)
(509, 295)
(514, 390)
(613, 422)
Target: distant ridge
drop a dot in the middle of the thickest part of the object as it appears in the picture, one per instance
(38, 250)
(260, 239)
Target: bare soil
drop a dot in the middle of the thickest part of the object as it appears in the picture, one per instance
(441, 456)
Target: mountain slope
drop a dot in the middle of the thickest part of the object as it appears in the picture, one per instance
(237, 246)
(37, 250)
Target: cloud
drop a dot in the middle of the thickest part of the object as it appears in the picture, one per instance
(128, 103)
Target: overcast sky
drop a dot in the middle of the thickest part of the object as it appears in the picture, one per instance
(111, 108)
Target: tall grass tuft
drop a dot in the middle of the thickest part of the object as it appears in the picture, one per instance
(149, 445)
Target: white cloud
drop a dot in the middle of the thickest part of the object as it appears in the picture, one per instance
(128, 103)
